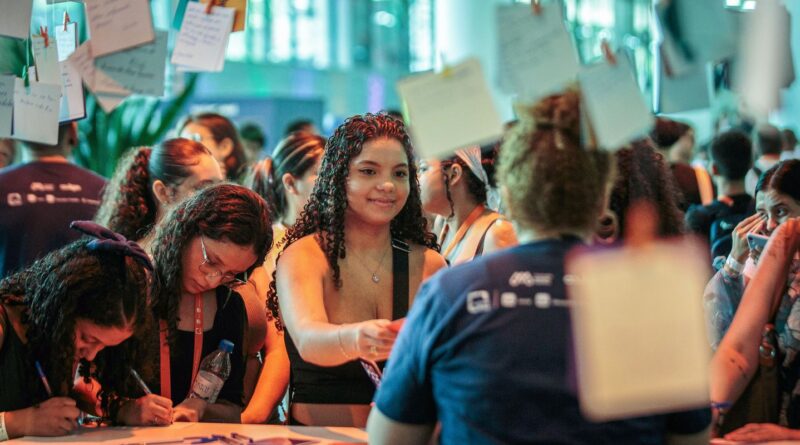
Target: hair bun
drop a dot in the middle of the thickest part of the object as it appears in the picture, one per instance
(555, 112)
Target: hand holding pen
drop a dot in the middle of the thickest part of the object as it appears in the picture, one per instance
(151, 409)
(55, 416)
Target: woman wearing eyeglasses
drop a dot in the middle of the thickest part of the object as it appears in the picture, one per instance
(201, 250)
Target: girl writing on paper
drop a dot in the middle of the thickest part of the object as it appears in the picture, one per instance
(460, 191)
(84, 306)
(353, 261)
(285, 181)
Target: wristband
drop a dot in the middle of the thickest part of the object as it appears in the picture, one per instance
(3, 430)
(734, 265)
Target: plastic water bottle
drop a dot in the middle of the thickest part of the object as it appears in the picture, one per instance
(214, 370)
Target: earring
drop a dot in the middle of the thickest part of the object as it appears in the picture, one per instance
(607, 231)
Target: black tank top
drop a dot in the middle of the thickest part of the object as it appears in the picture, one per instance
(16, 372)
(347, 383)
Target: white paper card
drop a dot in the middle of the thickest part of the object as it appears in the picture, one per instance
(689, 91)
(203, 38)
(36, 112)
(15, 18)
(616, 108)
(708, 32)
(140, 69)
(46, 60)
(73, 105)
(99, 82)
(6, 105)
(450, 110)
(639, 333)
(115, 25)
(66, 41)
(536, 54)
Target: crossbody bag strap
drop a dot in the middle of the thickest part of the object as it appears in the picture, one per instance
(400, 251)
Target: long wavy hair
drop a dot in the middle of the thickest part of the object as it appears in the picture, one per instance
(220, 212)
(104, 288)
(129, 206)
(324, 214)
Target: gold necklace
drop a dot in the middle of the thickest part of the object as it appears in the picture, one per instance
(375, 278)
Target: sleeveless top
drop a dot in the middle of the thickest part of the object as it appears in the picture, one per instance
(347, 383)
(471, 245)
(20, 389)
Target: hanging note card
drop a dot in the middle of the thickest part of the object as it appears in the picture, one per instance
(536, 53)
(689, 91)
(46, 60)
(36, 112)
(240, 18)
(6, 105)
(115, 25)
(66, 40)
(73, 104)
(140, 69)
(616, 108)
(97, 81)
(450, 110)
(639, 333)
(15, 18)
(203, 38)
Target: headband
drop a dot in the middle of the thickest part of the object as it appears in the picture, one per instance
(472, 157)
(110, 241)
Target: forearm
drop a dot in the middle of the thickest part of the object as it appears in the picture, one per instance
(16, 423)
(731, 371)
(222, 411)
(270, 388)
(326, 344)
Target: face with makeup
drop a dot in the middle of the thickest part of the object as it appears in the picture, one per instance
(377, 182)
(776, 208)
(91, 338)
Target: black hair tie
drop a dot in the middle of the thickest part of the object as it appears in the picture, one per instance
(110, 241)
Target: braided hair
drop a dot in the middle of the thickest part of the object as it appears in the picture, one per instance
(220, 211)
(102, 287)
(324, 214)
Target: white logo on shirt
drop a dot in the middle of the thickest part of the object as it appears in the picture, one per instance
(478, 301)
(69, 187)
(14, 199)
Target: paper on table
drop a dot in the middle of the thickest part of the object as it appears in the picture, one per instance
(36, 112)
(15, 20)
(6, 104)
(108, 92)
(73, 104)
(203, 38)
(140, 69)
(115, 25)
(689, 91)
(66, 41)
(639, 329)
(450, 110)
(766, 63)
(615, 106)
(536, 54)
(46, 60)
(241, 12)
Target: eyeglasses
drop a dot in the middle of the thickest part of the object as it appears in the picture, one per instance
(227, 279)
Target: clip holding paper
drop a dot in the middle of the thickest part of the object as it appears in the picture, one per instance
(66, 20)
(607, 53)
(45, 36)
(536, 7)
(212, 3)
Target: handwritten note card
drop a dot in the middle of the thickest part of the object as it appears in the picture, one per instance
(203, 38)
(241, 12)
(46, 60)
(536, 54)
(640, 339)
(140, 69)
(451, 110)
(73, 105)
(36, 112)
(6, 105)
(97, 81)
(66, 40)
(15, 18)
(616, 108)
(118, 24)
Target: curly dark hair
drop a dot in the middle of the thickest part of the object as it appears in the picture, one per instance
(475, 187)
(222, 128)
(221, 211)
(295, 155)
(324, 214)
(643, 174)
(783, 177)
(128, 205)
(104, 288)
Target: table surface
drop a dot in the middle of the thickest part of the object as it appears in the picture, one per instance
(177, 431)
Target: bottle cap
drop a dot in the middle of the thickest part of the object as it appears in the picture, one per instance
(226, 345)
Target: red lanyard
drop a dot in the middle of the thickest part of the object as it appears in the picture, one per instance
(166, 381)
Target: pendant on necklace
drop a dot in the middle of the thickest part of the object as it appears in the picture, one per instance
(375, 278)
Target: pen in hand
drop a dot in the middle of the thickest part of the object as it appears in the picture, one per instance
(43, 377)
(140, 382)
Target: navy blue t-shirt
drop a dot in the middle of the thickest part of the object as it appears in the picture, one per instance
(494, 364)
(38, 200)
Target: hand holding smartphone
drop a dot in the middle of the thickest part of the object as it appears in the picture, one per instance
(756, 243)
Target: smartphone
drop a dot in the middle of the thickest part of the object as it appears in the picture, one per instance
(756, 242)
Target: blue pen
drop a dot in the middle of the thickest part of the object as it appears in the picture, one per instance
(43, 377)
(140, 382)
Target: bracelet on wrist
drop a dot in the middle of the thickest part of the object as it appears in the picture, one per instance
(341, 346)
(733, 266)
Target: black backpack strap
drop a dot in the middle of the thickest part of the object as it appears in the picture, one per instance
(400, 252)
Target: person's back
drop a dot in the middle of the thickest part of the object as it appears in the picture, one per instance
(768, 143)
(39, 199)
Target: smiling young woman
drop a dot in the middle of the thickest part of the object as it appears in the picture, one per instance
(354, 260)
